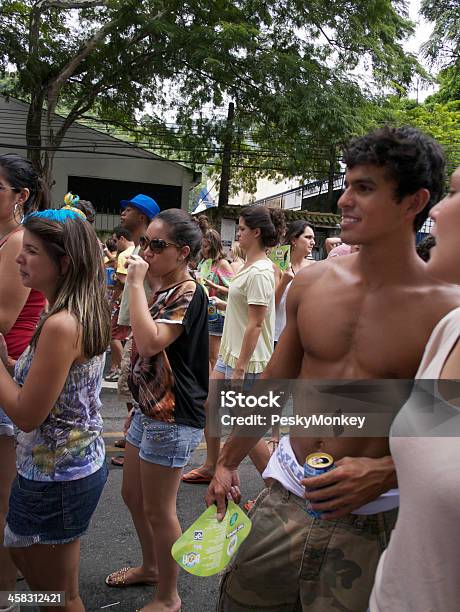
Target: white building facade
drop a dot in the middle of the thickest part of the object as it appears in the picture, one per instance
(101, 168)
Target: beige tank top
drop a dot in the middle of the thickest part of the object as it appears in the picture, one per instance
(420, 570)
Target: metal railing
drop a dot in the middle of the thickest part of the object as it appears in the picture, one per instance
(292, 199)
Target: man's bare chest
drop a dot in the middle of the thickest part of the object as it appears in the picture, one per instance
(362, 338)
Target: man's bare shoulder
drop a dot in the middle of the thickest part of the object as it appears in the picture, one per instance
(441, 296)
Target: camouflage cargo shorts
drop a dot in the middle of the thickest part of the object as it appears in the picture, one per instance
(291, 562)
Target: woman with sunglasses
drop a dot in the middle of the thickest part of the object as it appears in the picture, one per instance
(419, 569)
(247, 340)
(169, 382)
(21, 191)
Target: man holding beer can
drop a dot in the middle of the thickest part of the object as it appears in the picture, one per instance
(364, 316)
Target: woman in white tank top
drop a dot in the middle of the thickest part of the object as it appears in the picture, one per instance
(420, 570)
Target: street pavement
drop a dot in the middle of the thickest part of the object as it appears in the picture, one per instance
(111, 541)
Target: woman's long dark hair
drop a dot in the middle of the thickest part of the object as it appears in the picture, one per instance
(20, 174)
(294, 230)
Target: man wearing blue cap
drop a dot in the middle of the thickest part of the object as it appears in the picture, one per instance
(140, 205)
(136, 215)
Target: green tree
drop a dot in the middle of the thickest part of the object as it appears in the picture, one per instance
(288, 67)
(439, 119)
(449, 85)
(443, 47)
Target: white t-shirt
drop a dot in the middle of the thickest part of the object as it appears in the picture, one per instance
(254, 285)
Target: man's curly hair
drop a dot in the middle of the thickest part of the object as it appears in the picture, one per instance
(413, 160)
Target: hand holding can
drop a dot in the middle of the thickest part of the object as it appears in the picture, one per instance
(316, 464)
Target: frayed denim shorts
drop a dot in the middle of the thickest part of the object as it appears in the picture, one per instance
(47, 512)
(227, 371)
(6, 425)
(167, 444)
(216, 326)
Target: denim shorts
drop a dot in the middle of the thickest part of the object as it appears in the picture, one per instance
(167, 444)
(216, 327)
(6, 425)
(47, 512)
(227, 371)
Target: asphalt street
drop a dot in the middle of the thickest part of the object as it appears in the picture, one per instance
(111, 541)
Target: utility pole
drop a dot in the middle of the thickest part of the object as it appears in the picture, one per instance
(226, 157)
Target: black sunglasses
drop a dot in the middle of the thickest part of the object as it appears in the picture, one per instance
(156, 245)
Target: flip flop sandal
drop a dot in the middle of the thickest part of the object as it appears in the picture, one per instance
(118, 579)
(120, 443)
(119, 460)
(196, 477)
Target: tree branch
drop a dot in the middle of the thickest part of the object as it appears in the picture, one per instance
(34, 28)
(72, 65)
(78, 110)
(73, 4)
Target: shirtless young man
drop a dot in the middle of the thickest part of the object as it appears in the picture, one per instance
(365, 316)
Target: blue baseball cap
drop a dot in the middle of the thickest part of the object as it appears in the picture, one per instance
(146, 205)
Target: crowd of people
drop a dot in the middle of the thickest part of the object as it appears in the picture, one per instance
(178, 312)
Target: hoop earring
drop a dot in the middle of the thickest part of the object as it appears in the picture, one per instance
(18, 213)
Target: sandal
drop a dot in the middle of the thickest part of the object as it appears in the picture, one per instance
(196, 477)
(273, 445)
(119, 461)
(121, 443)
(118, 579)
(112, 376)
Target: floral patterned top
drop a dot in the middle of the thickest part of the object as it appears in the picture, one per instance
(68, 445)
(172, 386)
(219, 276)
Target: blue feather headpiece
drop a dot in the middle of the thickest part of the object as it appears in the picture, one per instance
(60, 215)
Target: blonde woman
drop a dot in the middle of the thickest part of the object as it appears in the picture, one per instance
(238, 257)
(217, 279)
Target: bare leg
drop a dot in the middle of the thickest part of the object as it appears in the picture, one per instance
(214, 346)
(260, 456)
(131, 491)
(52, 568)
(8, 571)
(212, 443)
(117, 351)
(159, 487)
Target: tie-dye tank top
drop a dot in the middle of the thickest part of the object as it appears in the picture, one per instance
(68, 445)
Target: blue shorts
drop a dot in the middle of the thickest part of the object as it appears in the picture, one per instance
(227, 371)
(6, 425)
(216, 327)
(167, 444)
(47, 512)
